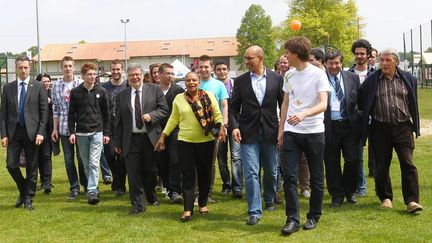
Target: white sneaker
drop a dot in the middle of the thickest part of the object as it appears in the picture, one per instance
(306, 193)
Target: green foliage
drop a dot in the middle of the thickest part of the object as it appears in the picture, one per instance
(324, 22)
(256, 29)
(82, 42)
(429, 49)
(33, 50)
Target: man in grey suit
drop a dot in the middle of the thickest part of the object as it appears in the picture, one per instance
(342, 131)
(141, 107)
(23, 117)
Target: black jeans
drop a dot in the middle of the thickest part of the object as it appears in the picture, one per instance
(384, 138)
(342, 183)
(195, 157)
(45, 161)
(117, 167)
(313, 147)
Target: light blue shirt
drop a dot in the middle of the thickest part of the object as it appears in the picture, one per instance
(217, 88)
(335, 115)
(259, 85)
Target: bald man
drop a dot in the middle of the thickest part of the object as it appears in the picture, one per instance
(253, 117)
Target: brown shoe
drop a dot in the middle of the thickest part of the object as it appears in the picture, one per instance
(386, 203)
(413, 207)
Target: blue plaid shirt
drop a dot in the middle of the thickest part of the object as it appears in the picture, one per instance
(60, 103)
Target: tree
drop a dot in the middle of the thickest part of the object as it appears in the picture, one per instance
(33, 50)
(256, 29)
(429, 50)
(324, 22)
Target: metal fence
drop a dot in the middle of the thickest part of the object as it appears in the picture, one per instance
(417, 54)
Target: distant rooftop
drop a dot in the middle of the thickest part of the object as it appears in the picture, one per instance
(214, 47)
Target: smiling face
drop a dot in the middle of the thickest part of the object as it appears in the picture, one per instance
(192, 82)
(167, 76)
(221, 72)
(334, 66)
(155, 74)
(204, 69)
(283, 64)
(46, 82)
(252, 60)
(116, 72)
(135, 77)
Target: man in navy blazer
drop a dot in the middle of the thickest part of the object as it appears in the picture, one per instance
(23, 117)
(253, 117)
(342, 131)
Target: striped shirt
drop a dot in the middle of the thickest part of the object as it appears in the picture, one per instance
(391, 104)
(60, 100)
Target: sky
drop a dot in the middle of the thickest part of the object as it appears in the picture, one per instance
(62, 21)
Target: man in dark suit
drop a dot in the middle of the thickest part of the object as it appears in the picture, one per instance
(253, 117)
(23, 117)
(141, 108)
(342, 131)
(388, 98)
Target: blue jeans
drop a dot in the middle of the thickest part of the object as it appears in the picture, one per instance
(236, 171)
(106, 172)
(362, 178)
(71, 171)
(90, 148)
(313, 147)
(253, 157)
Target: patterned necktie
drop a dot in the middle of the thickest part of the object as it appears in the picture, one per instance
(341, 97)
(138, 121)
(23, 93)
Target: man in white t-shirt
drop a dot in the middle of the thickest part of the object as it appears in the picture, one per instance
(301, 128)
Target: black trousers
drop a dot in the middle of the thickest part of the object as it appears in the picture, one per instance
(195, 157)
(313, 147)
(168, 161)
(384, 138)
(341, 183)
(45, 160)
(140, 163)
(117, 167)
(20, 140)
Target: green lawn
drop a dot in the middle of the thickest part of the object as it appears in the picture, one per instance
(425, 103)
(57, 220)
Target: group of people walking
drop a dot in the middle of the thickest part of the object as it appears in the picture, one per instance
(293, 123)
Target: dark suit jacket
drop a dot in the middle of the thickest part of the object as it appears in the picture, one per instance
(351, 84)
(153, 103)
(246, 113)
(367, 96)
(35, 110)
(173, 91)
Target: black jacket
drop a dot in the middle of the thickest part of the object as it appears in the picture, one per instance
(367, 95)
(248, 115)
(88, 110)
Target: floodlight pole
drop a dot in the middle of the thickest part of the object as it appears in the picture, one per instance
(124, 22)
(38, 44)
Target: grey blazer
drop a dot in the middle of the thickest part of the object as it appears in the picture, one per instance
(35, 110)
(153, 103)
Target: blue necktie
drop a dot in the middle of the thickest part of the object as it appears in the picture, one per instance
(341, 97)
(23, 93)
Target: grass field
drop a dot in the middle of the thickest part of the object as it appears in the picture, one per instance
(57, 220)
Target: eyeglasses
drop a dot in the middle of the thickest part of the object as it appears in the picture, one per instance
(248, 58)
(134, 74)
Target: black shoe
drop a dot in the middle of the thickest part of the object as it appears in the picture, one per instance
(47, 187)
(310, 224)
(290, 227)
(19, 202)
(73, 195)
(336, 202)
(135, 211)
(120, 192)
(269, 207)
(92, 198)
(351, 198)
(237, 195)
(28, 204)
(175, 198)
(277, 198)
(252, 220)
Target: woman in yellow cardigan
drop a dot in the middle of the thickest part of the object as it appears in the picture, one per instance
(197, 114)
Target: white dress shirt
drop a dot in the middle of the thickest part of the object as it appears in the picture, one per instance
(259, 85)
